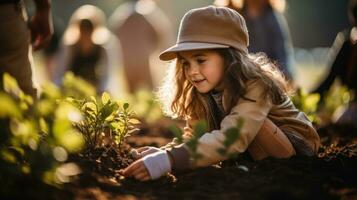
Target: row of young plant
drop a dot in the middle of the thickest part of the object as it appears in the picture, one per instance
(36, 136)
(323, 110)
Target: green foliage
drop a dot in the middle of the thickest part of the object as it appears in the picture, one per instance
(307, 103)
(36, 136)
(199, 129)
(104, 121)
(177, 133)
(76, 87)
(146, 106)
(232, 135)
(336, 97)
(321, 110)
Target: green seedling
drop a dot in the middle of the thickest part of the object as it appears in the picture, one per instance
(104, 121)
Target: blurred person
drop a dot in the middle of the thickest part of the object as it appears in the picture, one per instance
(344, 65)
(214, 78)
(18, 36)
(144, 31)
(268, 30)
(90, 51)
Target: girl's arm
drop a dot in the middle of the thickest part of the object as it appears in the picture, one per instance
(178, 158)
(253, 114)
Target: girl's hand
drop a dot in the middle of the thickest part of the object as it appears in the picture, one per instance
(137, 170)
(143, 151)
(152, 166)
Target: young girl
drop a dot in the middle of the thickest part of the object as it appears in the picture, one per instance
(218, 81)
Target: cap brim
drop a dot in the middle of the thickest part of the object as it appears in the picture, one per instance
(171, 53)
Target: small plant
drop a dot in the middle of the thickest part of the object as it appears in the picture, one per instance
(104, 121)
(307, 103)
(334, 100)
(199, 129)
(232, 135)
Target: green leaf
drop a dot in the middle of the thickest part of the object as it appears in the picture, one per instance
(60, 127)
(232, 135)
(72, 141)
(43, 125)
(8, 107)
(77, 87)
(45, 107)
(26, 99)
(11, 86)
(8, 156)
(106, 111)
(177, 133)
(134, 121)
(51, 91)
(117, 127)
(192, 144)
(105, 97)
(131, 131)
(93, 99)
(24, 131)
(126, 106)
(90, 106)
(200, 128)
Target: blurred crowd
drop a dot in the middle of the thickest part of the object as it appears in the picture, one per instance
(115, 54)
(119, 54)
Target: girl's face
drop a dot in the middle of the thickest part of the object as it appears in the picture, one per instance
(204, 69)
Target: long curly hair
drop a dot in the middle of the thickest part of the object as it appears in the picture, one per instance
(180, 99)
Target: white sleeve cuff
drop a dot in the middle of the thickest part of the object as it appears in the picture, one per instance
(157, 164)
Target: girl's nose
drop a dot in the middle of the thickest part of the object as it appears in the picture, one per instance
(194, 69)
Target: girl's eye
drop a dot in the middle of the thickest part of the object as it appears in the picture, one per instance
(185, 64)
(200, 61)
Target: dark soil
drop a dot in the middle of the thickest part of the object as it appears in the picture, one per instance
(330, 175)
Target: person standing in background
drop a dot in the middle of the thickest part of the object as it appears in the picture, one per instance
(268, 30)
(144, 31)
(90, 51)
(16, 36)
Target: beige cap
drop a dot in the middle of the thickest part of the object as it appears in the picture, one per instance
(209, 28)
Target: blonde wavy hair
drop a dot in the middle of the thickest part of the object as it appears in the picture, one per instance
(180, 99)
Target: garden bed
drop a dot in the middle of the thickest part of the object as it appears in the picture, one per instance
(65, 146)
(332, 175)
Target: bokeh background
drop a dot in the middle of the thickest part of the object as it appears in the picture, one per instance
(313, 26)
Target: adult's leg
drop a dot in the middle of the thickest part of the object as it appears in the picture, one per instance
(14, 48)
(270, 141)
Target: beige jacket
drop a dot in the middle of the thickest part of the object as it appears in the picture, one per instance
(284, 115)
